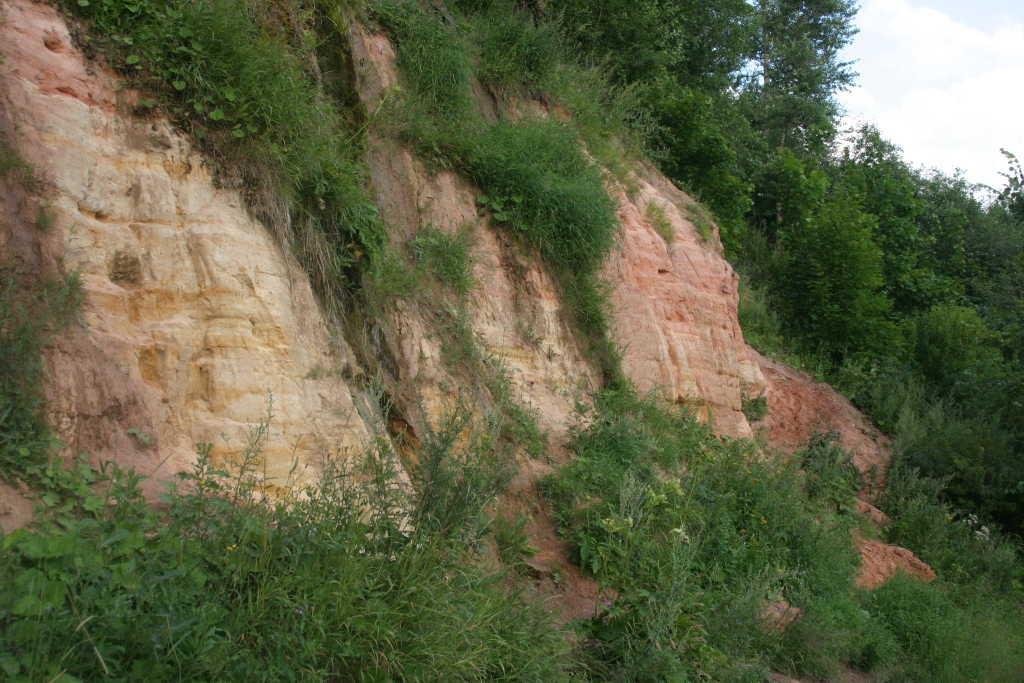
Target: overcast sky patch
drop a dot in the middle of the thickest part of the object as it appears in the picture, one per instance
(943, 79)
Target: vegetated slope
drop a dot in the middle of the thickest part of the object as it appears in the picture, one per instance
(468, 355)
(195, 316)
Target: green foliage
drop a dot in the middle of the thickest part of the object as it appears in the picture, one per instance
(666, 515)
(701, 219)
(871, 169)
(696, 43)
(514, 543)
(656, 214)
(966, 625)
(790, 96)
(722, 524)
(831, 478)
(331, 581)
(515, 52)
(447, 255)
(1012, 196)
(14, 169)
(947, 341)
(519, 427)
(693, 141)
(226, 71)
(536, 179)
(390, 278)
(565, 212)
(755, 409)
(948, 637)
(31, 313)
(830, 278)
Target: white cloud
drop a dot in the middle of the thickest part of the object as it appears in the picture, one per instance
(950, 95)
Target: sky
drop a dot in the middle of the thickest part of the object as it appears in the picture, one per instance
(944, 80)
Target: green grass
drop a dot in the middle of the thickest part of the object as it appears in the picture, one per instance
(16, 170)
(448, 256)
(552, 196)
(31, 313)
(351, 579)
(513, 542)
(701, 219)
(656, 214)
(514, 52)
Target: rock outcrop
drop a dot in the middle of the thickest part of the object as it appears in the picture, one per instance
(196, 316)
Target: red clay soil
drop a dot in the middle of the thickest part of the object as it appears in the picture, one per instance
(575, 596)
(880, 562)
(799, 406)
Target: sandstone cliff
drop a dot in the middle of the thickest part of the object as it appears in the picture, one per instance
(196, 315)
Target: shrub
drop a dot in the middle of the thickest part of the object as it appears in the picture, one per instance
(947, 341)
(668, 516)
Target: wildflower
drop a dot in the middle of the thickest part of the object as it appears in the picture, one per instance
(298, 611)
(232, 547)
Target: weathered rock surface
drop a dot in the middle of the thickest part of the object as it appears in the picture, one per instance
(674, 303)
(675, 308)
(195, 316)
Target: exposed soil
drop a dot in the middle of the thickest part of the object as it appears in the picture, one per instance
(880, 562)
(799, 407)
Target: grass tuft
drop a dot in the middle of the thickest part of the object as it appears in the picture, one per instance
(656, 214)
(448, 256)
(31, 313)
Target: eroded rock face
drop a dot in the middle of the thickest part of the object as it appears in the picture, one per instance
(675, 308)
(799, 407)
(674, 302)
(195, 316)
